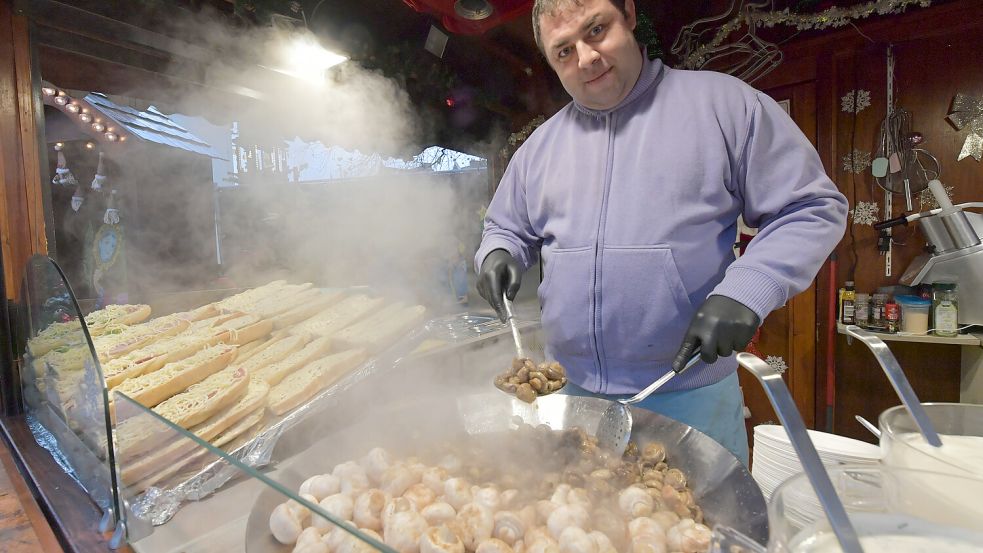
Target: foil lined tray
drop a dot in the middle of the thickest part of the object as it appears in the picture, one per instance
(157, 505)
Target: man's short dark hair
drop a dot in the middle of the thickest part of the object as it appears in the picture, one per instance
(550, 7)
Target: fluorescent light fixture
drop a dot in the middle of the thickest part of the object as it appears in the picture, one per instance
(305, 59)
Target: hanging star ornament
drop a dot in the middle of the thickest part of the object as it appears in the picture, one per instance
(967, 111)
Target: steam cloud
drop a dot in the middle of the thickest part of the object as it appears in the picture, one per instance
(394, 232)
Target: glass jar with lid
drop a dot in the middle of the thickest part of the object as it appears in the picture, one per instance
(862, 310)
(877, 319)
(945, 309)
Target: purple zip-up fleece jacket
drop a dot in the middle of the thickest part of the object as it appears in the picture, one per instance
(635, 209)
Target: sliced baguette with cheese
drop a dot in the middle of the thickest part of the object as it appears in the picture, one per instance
(305, 383)
(153, 388)
(246, 350)
(281, 301)
(381, 330)
(246, 333)
(338, 316)
(107, 319)
(307, 310)
(249, 297)
(194, 461)
(202, 400)
(153, 356)
(135, 441)
(250, 423)
(111, 346)
(275, 372)
(274, 352)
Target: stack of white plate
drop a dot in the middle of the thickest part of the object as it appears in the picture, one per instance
(774, 460)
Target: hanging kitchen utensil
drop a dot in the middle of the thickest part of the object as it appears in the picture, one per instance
(614, 428)
(900, 168)
(898, 381)
(788, 414)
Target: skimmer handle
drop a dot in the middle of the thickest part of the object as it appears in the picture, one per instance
(510, 318)
(651, 388)
(788, 414)
(899, 381)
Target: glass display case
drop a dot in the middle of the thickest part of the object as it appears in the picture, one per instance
(410, 442)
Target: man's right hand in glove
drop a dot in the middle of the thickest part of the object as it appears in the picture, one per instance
(499, 272)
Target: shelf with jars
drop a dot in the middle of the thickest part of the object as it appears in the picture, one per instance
(959, 340)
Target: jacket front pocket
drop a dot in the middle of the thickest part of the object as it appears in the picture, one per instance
(644, 306)
(565, 296)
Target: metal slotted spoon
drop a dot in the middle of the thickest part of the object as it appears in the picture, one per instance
(614, 429)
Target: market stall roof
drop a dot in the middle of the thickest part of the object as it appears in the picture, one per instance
(152, 125)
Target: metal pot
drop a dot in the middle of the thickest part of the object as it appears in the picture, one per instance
(720, 484)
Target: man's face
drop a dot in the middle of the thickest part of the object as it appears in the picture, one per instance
(593, 51)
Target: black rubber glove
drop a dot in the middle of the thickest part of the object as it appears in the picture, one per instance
(499, 271)
(720, 326)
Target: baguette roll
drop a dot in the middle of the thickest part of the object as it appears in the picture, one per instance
(274, 351)
(153, 388)
(275, 372)
(345, 313)
(251, 421)
(381, 330)
(307, 310)
(311, 379)
(152, 357)
(135, 441)
(245, 334)
(202, 400)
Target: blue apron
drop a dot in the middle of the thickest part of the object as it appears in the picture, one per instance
(716, 410)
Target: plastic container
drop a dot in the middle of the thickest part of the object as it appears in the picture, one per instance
(960, 426)
(886, 507)
(914, 314)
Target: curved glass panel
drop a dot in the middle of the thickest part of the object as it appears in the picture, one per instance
(261, 512)
(63, 389)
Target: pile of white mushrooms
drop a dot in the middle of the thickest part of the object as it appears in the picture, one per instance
(542, 491)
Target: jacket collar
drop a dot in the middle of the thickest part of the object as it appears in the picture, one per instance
(648, 77)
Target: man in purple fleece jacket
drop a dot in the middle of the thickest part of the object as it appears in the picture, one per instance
(631, 194)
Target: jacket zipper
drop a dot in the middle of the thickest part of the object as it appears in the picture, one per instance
(596, 330)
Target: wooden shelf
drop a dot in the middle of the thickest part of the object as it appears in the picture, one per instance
(961, 340)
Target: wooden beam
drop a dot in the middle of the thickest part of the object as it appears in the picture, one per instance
(21, 223)
(27, 113)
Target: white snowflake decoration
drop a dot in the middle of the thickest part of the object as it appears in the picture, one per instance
(928, 201)
(856, 162)
(777, 363)
(862, 102)
(865, 213)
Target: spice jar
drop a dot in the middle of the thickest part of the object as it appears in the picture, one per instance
(861, 310)
(892, 316)
(945, 309)
(877, 320)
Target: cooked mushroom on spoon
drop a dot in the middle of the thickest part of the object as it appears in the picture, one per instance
(527, 381)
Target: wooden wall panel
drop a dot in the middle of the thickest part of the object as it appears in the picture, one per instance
(21, 194)
(936, 52)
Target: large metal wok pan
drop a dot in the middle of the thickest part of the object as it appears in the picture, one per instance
(720, 484)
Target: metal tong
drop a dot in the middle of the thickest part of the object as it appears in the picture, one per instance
(788, 414)
(899, 381)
